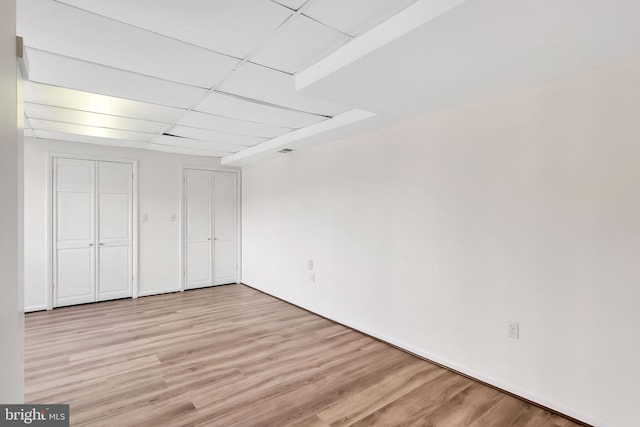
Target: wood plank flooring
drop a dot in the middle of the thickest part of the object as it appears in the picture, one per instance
(232, 356)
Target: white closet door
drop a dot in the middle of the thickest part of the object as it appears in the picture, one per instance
(74, 232)
(114, 190)
(224, 220)
(199, 256)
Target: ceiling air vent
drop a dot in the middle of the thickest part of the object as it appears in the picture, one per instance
(285, 150)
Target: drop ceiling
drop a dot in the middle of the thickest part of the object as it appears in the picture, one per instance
(206, 77)
(243, 79)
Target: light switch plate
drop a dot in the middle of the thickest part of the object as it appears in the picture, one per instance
(514, 330)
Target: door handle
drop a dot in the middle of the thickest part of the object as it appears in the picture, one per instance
(101, 244)
(208, 238)
(90, 244)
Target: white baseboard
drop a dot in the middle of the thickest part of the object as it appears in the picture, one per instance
(158, 292)
(587, 418)
(578, 415)
(33, 308)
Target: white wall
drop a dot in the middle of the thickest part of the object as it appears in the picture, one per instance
(11, 317)
(435, 233)
(158, 197)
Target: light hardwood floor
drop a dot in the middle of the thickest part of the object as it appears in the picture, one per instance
(232, 356)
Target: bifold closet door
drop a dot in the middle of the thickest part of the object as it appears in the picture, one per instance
(210, 228)
(224, 222)
(114, 231)
(93, 231)
(199, 251)
(75, 279)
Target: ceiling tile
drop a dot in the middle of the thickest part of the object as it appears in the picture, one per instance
(223, 124)
(46, 112)
(300, 44)
(38, 124)
(195, 143)
(61, 136)
(185, 150)
(239, 108)
(74, 99)
(231, 27)
(268, 85)
(292, 4)
(59, 28)
(355, 16)
(213, 136)
(57, 70)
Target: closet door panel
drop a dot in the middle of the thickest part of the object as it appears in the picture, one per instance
(198, 264)
(114, 222)
(75, 218)
(198, 252)
(225, 263)
(225, 218)
(114, 227)
(114, 272)
(74, 268)
(75, 274)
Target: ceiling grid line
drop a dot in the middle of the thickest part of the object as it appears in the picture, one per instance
(269, 104)
(93, 112)
(94, 126)
(244, 120)
(111, 67)
(147, 30)
(329, 26)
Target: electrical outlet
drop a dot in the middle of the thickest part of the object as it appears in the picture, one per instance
(310, 264)
(514, 330)
(312, 277)
(172, 217)
(145, 217)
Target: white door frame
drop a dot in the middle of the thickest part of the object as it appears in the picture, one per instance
(183, 222)
(51, 238)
